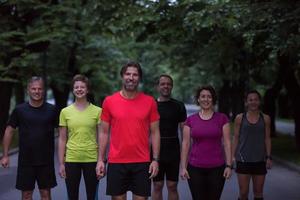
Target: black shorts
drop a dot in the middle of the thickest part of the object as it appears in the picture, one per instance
(168, 169)
(253, 168)
(44, 175)
(123, 177)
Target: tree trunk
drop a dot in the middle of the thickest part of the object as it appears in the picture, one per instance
(287, 61)
(19, 93)
(61, 96)
(237, 97)
(269, 107)
(6, 91)
(224, 104)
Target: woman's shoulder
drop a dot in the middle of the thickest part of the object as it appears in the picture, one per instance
(68, 108)
(95, 107)
(266, 118)
(220, 115)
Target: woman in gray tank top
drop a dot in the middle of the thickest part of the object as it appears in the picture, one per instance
(252, 147)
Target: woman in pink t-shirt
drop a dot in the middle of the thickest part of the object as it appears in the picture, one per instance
(206, 161)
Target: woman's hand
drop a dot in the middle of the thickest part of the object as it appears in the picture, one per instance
(184, 174)
(227, 172)
(100, 169)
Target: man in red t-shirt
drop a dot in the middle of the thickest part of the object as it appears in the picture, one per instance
(129, 116)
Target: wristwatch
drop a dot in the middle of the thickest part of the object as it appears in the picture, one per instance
(269, 157)
(229, 166)
(155, 159)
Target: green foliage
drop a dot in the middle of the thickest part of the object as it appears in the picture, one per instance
(284, 147)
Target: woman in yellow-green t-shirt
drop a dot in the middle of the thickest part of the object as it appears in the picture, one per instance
(77, 146)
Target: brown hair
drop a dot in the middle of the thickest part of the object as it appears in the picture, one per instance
(132, 64)
(82, 78)
(210, 89)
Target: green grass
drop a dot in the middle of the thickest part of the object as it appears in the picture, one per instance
(284, 147)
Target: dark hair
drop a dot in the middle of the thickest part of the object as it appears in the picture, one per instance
(82, 78)
(164, 75)
(132, 64)
(252, 92)
(35, 78)
(210, 89)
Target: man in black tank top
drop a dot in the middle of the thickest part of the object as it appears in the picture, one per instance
(172, 115)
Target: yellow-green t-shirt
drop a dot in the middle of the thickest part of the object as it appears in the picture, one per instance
(82, 143)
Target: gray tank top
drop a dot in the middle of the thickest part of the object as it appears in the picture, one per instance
(251, 146)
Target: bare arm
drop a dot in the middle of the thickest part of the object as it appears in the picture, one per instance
(155, 141)
(227, 143)
(227, 149)
(8, 135)
(103, 138)
(180, 126)
(185, 146)
(268, 140)
(62, 141)
(237, 125)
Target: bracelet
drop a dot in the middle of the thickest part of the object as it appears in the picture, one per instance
(269, 157)
(229, 166)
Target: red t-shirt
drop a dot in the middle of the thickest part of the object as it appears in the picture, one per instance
(130, 121)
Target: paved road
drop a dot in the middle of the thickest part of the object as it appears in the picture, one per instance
(281, 184)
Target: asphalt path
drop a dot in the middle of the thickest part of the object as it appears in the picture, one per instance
(282, 183)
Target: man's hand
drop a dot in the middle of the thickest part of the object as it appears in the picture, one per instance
(62, 171)
(153, 169)
(5, 161)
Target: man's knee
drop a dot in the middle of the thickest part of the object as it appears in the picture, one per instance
(45, 194)
(27, 195)
(172, 186)
(158, 185)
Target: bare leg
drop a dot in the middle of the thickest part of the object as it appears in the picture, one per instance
(157, 190)
(27, 195)
(137, 197)
(258, 185)
(172, 190)
(45, 194)
(119, 197)
(244, 181)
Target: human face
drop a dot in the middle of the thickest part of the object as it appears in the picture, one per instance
(80, 89)
(253, 102)
(131, 79)
(165, 87)
(205, 100)
(35, 91)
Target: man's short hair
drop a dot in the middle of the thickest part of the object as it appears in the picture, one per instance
(132, 64)
(34, 79)
(164, 75)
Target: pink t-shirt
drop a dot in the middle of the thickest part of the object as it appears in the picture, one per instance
(207, 149)
(130, 121)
